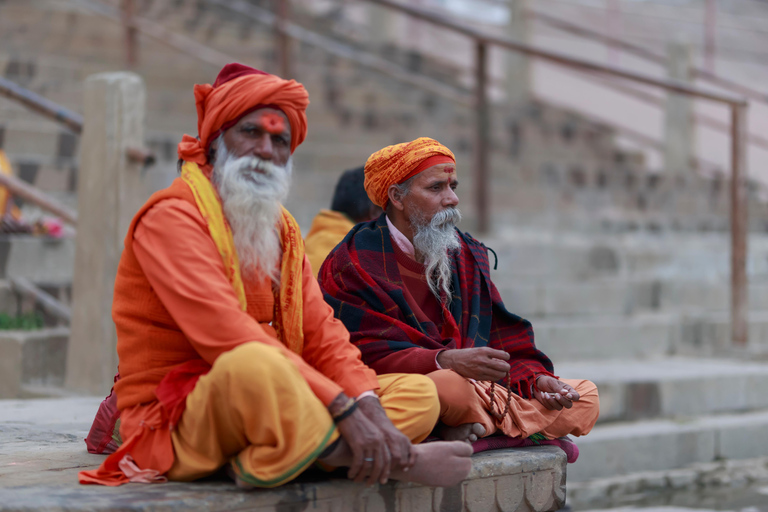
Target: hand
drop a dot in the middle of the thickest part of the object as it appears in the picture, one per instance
(482, 363)
(399, 445)
(366, 441)
(554, 394)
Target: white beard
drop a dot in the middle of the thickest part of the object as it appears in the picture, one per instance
(252, 191)
(434, 242)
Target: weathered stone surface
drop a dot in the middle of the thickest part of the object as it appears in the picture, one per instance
(35, 358)
(672, 387)
(41, 451)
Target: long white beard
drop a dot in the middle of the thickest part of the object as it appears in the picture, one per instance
(252, 191)
(434, 242)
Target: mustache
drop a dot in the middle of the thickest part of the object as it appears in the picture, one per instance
(249, 164)
(448, 217)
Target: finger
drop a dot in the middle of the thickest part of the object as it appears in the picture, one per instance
(563, 400)
(553, 402)
(357, 463)
(545, 399)
(495, 354)
(365, 466)
(492, 375)
(378, 466)
(387, 465)
(571, 393)
(498, 365)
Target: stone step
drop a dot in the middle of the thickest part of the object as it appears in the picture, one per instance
(640, 336)
(672, 387)
(624, 297)
(43, 450)
(32, 360)
(645, 336)
(654, 445)
(553, 255)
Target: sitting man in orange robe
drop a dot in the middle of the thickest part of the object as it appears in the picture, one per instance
(350, 206)
(228, 354)
(416, 295)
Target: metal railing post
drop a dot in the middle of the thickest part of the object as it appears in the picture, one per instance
(131, 33)
(739, 212)
(482, 134)
(283, 42)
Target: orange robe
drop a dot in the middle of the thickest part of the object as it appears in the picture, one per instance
(174, 304)
(328, 229)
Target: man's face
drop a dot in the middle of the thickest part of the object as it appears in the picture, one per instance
(264, 133)
(432, 191)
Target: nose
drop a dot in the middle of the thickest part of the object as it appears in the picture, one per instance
(450, 199)
(263, 147)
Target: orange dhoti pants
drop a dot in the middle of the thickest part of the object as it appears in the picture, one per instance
(465, 401)
(255, 410)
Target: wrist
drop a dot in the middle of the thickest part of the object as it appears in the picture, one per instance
(444, 359)
(337, 404)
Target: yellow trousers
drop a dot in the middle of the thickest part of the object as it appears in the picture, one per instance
(255, 410)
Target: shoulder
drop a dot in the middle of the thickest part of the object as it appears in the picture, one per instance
(169, 214)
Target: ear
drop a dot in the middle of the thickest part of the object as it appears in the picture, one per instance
(394, 198)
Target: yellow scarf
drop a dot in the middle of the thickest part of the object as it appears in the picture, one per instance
(289, 311)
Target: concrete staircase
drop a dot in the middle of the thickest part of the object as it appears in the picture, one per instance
(550, 167)
(646, 319)
(625, 279)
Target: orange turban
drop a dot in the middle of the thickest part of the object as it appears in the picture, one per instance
(395, 164)
(237, 91)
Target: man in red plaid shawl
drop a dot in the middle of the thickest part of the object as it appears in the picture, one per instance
(416, 295)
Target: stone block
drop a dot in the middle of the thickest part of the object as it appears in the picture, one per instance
(32, 358)
(39, 259)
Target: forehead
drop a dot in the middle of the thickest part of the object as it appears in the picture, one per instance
(437, 172)
(265, 115)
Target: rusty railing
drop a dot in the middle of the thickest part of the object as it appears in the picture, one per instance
(284, 29)
(72, 121)
(737, 105)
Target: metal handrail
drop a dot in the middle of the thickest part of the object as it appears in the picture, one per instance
(645, 53)
(556, 57)
(737, 104)
(72, 120)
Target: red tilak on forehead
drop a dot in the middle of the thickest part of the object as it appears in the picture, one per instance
(449, 170)
(273, 123)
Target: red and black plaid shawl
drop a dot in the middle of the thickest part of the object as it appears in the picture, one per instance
(361, 281)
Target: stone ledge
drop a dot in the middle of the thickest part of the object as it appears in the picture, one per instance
(41, 451)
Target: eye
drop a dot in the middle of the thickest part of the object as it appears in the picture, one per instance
(279, 139)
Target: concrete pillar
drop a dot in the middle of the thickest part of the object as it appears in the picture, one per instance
(678, 127)
(518, 65)
(109, 193)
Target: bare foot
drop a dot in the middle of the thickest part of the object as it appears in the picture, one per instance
(468, 432)
(438, 464)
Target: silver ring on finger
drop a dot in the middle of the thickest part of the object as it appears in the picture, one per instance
(368, 459)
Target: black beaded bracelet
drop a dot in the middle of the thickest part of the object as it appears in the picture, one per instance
(345, 414)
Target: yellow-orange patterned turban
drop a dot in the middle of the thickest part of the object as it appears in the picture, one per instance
(395, 164)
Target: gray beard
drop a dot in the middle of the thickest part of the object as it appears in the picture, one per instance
(435, 241)
(252, 203)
